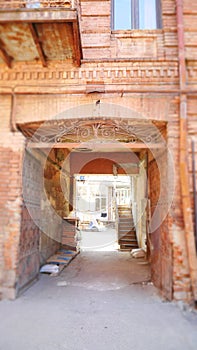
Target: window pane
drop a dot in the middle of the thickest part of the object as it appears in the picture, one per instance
(103, 203)
(122, 14)
(97, 204)
(147, 14)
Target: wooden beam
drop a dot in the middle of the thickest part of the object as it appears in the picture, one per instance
(38, 44)
(77, 44)
(102, 147)
(38, 15)
(4, 55)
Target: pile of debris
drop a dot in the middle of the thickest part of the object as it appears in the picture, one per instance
(56, 263)
(138, 253)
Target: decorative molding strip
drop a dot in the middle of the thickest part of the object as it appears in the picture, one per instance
(192, 72)
(94, 73)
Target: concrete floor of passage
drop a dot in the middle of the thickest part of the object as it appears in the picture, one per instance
(102, 271)
(98, 303)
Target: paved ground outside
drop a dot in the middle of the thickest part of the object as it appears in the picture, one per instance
(101, 301)
(103, 240)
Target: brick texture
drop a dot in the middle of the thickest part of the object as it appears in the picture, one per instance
(134, 74)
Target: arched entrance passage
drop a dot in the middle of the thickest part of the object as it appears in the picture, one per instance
(53, 144)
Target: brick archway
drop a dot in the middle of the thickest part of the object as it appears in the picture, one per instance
(135, 135)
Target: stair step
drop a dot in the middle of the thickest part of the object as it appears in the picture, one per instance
(123, 213)
(127, 237)
(120, 209)
(127, 229)
(128, 246)
(124, 210)
(134, 243)
(130, 224)
(128, 211)
(126, 223)
(126, 218)
(127, 234)
(124, 241)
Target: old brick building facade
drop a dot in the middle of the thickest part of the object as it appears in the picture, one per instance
(78, 75)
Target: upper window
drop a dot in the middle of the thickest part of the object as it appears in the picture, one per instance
(136, 14)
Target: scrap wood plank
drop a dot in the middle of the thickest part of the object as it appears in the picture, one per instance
(62, 258)
(57, 260)
(67, 251)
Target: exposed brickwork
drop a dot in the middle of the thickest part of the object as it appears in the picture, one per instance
(10, 211)
(135, 69)
(69, 234)
(31, 3)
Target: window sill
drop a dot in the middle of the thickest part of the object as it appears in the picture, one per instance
(135, 33)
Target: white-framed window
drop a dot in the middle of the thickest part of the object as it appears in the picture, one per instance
(123, 196)
(100, 203)
(136, 14)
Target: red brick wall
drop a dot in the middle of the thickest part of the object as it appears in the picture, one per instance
(10, 210)
(147, 82)
(43, 3)
(11, 153)
(99, 42)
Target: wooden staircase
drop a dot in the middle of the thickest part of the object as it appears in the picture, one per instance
(127, 238)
